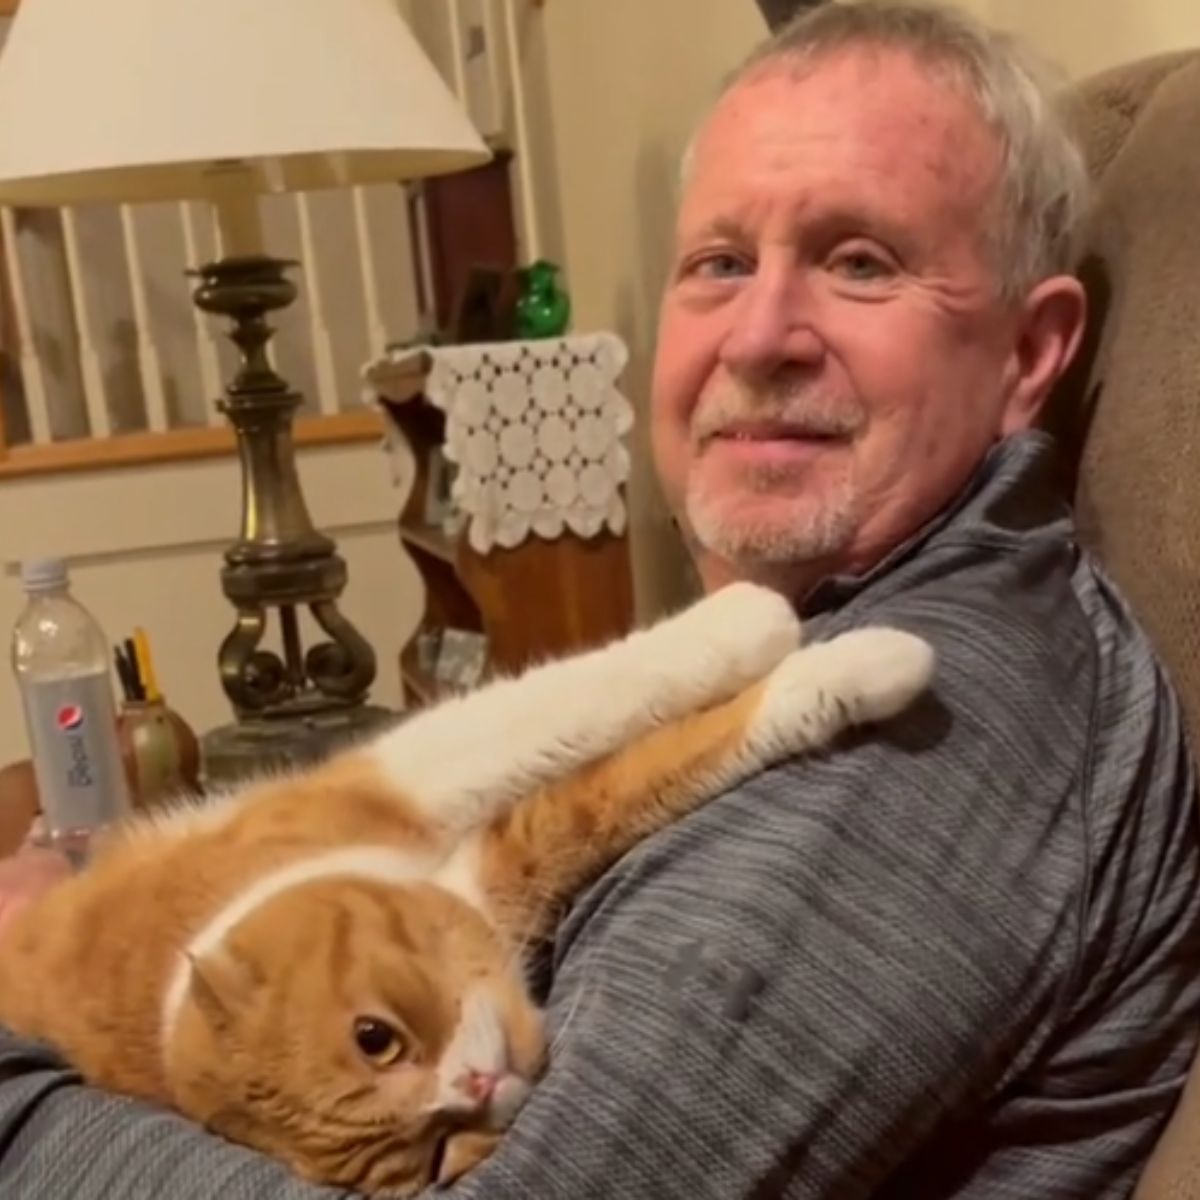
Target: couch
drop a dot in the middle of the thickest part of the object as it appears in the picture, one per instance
(1128, 414)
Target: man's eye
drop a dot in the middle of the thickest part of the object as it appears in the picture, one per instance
(861, 266)
(717, 266)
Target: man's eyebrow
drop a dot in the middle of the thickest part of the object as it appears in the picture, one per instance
(856, 218)
(723, 228)
(821, 220)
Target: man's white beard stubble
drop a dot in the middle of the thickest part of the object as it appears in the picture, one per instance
(772, 518)
(800, 528)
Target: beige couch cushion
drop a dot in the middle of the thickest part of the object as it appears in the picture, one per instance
(1129, 414)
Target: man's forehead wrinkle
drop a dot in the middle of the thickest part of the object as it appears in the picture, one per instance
(895, 165)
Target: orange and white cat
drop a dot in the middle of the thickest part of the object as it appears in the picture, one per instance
(328, 966)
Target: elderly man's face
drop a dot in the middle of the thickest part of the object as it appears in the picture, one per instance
(833, 358)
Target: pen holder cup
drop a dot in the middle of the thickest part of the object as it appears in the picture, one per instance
(160, 751)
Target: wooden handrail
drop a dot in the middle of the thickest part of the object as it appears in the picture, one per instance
(140, 449)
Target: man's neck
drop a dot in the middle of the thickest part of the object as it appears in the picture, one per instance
(794, 580)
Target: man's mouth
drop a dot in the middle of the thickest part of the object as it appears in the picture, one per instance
(771, 432)
(778, 435)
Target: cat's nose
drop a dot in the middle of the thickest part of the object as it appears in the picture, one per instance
(480, 1085)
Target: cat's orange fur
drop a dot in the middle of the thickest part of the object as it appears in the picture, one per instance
(401, 914)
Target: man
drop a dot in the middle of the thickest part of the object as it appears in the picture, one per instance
(950, 959)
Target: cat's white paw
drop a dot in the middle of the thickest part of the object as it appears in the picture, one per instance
(709, 651)
(861, 676)
(738, 633)
(874, 672)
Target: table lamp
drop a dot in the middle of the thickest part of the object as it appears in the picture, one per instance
(223, 100)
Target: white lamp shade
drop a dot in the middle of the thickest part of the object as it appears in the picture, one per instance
(148, 99)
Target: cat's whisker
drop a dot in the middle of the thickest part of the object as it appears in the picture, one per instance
(561, 1032)
(580, 992)
(518, 957)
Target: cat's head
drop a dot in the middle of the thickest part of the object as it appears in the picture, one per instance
(373, 1037)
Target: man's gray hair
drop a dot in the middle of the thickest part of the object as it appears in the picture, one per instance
(1043, 191)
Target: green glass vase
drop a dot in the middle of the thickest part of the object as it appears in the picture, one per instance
(543, 306)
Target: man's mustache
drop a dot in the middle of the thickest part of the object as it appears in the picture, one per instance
(729, 413)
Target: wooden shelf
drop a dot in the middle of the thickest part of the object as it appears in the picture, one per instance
(420, 683)
(431, 539)
(423, 686)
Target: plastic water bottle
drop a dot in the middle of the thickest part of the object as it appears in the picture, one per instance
(61, 659)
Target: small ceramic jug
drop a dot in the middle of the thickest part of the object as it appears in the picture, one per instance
(160, 750)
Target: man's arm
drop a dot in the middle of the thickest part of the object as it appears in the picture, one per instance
(810, 1060)
(59, 1139)
(890, 951)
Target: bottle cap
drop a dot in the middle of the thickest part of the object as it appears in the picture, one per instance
(43, 575)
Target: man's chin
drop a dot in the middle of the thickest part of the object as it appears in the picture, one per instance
(767, 532)
(750, 550)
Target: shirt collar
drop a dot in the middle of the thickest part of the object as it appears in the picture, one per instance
(1013, 491)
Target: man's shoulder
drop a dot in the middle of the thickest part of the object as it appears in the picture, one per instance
(1041, 658)
(1035, 622)
(1016, 648)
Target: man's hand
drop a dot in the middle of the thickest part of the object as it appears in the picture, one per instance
(26, 875)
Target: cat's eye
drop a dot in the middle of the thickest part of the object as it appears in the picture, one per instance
(379, 1041)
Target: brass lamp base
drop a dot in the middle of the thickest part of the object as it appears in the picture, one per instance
(242, 749)
(295, 706)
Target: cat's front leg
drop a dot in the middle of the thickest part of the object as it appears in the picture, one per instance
(708, 652)
(538, 855)
(859, 677)
(471, 758)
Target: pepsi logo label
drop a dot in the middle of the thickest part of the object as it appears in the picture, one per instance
(69, 717)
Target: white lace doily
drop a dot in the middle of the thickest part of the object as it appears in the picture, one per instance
(536, 430)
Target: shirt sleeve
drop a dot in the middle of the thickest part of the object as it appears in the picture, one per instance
(60, 1139)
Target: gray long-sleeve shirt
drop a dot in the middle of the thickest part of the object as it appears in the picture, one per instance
(956, 957)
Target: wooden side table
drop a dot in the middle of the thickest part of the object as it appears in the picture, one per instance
(516, 519)
(18, 804)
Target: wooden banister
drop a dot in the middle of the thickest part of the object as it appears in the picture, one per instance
(140, 449)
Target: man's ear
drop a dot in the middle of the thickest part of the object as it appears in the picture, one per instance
(221, 984)
(1049, 330)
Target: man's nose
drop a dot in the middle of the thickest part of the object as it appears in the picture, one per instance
(772, 327)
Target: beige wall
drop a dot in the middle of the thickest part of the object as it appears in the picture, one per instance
(145, 548)
(1088, 35)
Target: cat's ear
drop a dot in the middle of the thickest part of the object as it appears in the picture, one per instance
(221, 985)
